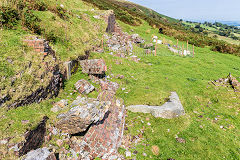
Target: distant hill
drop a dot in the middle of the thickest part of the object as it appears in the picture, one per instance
(231, 23)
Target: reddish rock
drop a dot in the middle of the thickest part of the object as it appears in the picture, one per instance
(108, 85)
(104, 138)
(84, 87)
(93, 66)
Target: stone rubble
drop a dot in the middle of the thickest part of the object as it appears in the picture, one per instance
(230, 80)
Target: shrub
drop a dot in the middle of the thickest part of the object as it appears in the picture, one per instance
(31, 21)
(8, 17)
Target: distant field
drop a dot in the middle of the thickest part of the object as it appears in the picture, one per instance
(212, 31)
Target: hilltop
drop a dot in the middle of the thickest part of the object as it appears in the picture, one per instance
(69, 70)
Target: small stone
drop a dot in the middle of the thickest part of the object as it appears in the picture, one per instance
(4, 141)
(25, 121)
(54, 131)
(55, 109)
(155, 150)
(96, 17)
(40, 154)
(181, 140)
(59, 142)
(128, 154)
(147, 119)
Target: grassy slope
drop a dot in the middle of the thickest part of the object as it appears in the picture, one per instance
(187, 76)
(74, 36)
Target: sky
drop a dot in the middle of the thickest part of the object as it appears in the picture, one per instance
(200, 10)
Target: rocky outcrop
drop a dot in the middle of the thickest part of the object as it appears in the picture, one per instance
(171, 109)
(83, 113)
(137, 39)
(34, 138)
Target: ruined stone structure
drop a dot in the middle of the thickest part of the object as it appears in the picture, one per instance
(111, 23)
(104, 137)
(39, 45)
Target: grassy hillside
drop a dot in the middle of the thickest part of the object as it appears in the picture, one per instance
(68, 25)
(130, 14)
(230, 34)
(210, 126)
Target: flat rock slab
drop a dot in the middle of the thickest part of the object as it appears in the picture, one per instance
(82, 114)
(171, 109)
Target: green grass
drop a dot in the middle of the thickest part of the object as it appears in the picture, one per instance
(189, 77)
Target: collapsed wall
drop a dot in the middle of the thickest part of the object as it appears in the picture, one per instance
(40, 79)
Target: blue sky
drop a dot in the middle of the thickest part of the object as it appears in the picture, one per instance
(210, 10)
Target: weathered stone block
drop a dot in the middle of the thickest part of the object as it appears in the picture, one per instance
(171, 109)
(93, 66)
(84, 87)
(111, 23)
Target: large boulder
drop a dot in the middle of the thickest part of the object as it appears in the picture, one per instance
(171, 109)
(93, 66)
(83, 113)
